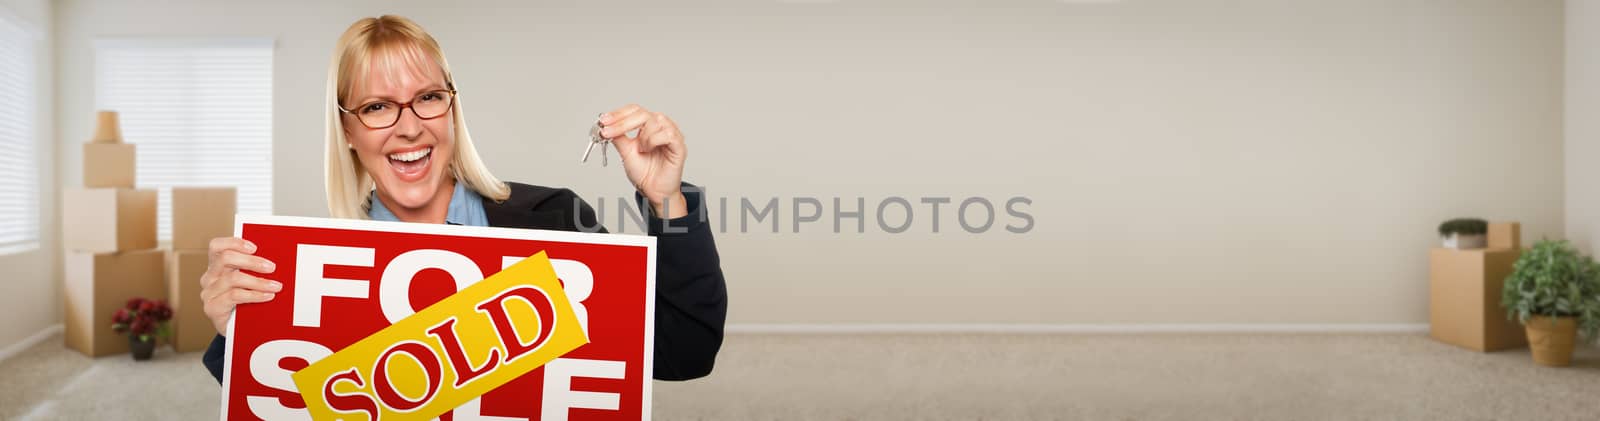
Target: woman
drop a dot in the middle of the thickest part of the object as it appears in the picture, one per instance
(398, 150)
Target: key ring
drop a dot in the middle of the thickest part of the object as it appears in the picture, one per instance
(596, 140)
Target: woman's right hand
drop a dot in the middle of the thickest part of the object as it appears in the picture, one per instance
(224, 286)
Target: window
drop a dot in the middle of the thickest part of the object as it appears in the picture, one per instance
(19, 165)
(200, 112)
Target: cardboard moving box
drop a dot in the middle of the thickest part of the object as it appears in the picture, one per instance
(200, 214)
(109, 165)
(108, 220)
(1505, 235)
(1464, 299)
(191, 329)
(97, 284)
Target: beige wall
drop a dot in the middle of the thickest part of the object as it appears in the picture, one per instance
(1583, 128)
(27, 290)
(1219, 161)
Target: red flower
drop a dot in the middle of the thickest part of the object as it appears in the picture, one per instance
(140, 326)
(141, 316)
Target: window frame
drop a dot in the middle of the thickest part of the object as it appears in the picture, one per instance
(102, 82)
(31, 40)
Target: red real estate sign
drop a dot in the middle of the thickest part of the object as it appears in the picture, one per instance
(343, 280)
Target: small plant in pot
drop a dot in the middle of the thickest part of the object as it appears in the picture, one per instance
(1555, 292)
(1464, 233)
(143, 321)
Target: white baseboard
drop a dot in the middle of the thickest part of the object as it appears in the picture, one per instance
(1005, 328)
(29, 341)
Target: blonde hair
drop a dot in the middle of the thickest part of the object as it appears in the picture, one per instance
(395, 41)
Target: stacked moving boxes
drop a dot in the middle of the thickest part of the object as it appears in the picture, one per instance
(109, 233)
(199, 214)
(1464, 292)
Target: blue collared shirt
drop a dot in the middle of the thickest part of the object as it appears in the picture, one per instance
(466, 208)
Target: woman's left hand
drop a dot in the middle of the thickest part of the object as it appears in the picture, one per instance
(652, 158)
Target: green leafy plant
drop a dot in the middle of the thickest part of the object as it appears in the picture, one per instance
(1552, 279)
(1463, 226)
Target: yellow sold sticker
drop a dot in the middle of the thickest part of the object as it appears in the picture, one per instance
(449, 353)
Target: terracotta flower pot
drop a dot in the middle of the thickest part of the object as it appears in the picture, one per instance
(143, 349)
(1552, 339)
(107, 130)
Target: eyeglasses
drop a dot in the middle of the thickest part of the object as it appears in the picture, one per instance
(384, 114)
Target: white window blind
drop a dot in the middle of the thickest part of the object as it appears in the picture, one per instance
(19, 167)
(200, 112)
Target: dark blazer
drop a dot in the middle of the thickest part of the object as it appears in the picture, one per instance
(691, 295)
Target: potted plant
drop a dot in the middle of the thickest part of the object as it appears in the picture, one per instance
(1464, 233)
(1555, 292)
(144, 321)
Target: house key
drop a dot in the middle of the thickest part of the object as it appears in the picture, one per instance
(596, 140)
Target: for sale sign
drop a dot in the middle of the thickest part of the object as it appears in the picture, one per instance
(346, 280)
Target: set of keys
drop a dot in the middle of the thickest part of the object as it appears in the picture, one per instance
(596, 140)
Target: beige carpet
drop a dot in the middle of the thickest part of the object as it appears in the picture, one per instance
(1155, 376)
